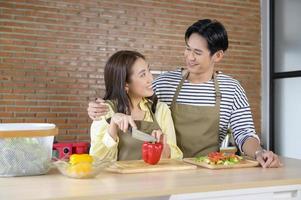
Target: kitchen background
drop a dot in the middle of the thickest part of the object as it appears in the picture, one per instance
(52, 52)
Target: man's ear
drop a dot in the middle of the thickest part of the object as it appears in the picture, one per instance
(218, 56)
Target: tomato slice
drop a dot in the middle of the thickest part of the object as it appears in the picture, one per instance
(218, 156)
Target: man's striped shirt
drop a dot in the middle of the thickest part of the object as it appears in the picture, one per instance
(235, 110)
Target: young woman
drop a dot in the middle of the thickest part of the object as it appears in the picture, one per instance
(131, 101)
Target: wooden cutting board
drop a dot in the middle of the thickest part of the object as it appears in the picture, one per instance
(244, 163)
(139, 166)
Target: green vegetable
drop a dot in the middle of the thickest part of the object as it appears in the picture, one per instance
(218, 158)
(24, 156)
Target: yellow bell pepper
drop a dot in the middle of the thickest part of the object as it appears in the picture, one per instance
(80, 169)
(80, 158)
(80, 165)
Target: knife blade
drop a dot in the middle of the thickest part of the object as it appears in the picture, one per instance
(139, 135)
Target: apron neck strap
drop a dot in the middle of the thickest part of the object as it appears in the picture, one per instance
(174, 99)
(151, 113)
(218, 95)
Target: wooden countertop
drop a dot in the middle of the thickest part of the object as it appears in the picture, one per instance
(112, 185)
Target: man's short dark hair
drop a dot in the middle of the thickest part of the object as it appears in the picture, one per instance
(212, 31)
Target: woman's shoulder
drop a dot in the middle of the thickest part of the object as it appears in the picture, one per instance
(162, 107)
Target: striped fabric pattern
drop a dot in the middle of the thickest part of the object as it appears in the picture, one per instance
(235, 110)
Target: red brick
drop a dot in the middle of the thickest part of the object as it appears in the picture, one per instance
(58, 98)
(23, 90)
(39, 109)
(77, 121)
(25, 115)
(58, 109)
(16, 109)
(70, 104)
(85, 138)
(12, 84)
(84, 125)
(56, 121)
(67, 115)
(34, 120)
(68, 126)
(35, 97)
(6, 115)
(12, 120)
(62, 137)
(77, 132)
(5, 90)
(7, 103)
(46, 115)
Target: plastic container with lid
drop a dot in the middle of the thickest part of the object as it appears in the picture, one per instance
(26, 148)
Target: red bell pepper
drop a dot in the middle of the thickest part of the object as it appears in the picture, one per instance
(151, 152)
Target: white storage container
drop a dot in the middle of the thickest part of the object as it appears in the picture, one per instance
(26, 148)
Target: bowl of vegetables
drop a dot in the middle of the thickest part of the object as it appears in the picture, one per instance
(81, 166)
(26, 148)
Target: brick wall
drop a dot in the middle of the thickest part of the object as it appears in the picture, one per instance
(52, 52)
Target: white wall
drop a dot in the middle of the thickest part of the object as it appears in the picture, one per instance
(265, 70)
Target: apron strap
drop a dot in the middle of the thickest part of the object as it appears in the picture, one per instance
(152, 114)
(218, 95)
(174, 99)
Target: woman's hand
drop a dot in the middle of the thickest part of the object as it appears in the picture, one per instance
(158, 135)
(121, 121)
(97, 109)
(162, 138)
(268, 159)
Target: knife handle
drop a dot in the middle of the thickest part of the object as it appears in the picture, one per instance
(130, 129)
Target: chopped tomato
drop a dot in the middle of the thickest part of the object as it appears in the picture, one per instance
(218, 158)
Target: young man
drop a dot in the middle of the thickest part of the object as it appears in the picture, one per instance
(205, 103)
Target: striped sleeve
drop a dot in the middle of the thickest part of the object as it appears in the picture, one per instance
(241, 121)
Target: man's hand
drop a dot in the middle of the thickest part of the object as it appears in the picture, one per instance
(97, 109)
(268, 159)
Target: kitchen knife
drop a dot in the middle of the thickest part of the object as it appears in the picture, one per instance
(139, 135)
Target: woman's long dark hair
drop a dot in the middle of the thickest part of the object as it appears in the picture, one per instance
(117, 73)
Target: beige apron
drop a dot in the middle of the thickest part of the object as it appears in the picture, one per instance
(130, 148)
(197, 127)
